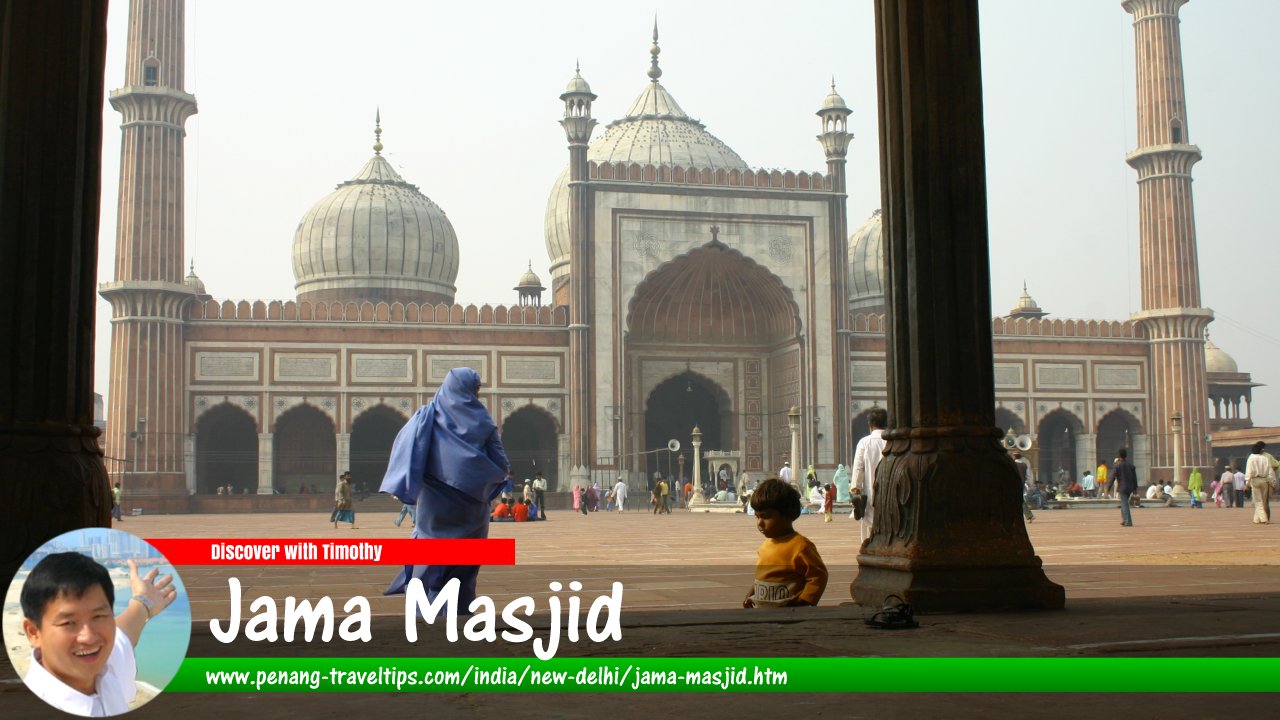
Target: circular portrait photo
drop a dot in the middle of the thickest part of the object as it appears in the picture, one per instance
(96, 622)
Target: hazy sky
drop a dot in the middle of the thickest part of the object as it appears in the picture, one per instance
(469, 94)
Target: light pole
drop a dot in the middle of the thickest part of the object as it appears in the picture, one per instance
(698, 497)
(793, 422)
(1179, 485)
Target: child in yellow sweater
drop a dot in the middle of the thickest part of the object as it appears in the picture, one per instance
(789, 570)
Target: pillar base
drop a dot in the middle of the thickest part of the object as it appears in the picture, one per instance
(53, 479)
(947, 531)
(958, 589)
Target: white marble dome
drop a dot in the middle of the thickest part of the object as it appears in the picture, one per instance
(866, 267)
(1218, 361)
(654, 131)
(377, 238)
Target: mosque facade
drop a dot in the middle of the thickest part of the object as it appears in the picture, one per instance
(692, 297)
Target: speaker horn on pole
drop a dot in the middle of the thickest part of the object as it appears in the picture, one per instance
(673, 445)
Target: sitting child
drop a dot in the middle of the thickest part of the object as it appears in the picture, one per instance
(520, 511)
(502, 513)
(789, 570)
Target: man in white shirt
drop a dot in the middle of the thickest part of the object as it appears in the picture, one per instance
(540, 493)
(1260, 474)
(1238, 482)
(785, 473)
(82, 656)
(865, 460)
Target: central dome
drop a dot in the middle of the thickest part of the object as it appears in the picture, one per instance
(655, 131)
(376, 238)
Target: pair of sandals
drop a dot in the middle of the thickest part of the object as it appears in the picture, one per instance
(894, 615)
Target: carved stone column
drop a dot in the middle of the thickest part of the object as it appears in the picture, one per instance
(947, 527)
(52, 477)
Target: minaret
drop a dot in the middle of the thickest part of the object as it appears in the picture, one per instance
(835, 140)
(1171, 311)
(145, 417)
(578, 124)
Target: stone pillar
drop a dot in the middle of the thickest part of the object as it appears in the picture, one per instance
(698, 495)
(947, 532)
(1141, 457)
(1085, 448)
(266, 472)
(343, 454)
(52, 477)
(189, 462)
(793, 424)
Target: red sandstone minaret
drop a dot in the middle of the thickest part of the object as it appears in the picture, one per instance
(145, 438)
(1171, 311)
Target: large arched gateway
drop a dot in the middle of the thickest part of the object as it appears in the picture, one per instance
(713, 341)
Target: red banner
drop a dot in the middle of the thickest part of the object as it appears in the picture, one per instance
(334, 551)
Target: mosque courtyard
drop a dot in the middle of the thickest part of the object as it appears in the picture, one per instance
(704, 561)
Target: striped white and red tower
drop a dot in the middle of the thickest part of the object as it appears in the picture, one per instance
(145, 423)
(1171, 311)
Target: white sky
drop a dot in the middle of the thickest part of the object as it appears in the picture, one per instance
(470, 104)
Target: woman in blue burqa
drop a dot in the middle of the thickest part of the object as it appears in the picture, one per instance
(449, 464)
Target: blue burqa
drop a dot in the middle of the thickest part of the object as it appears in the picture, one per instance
(447, 462)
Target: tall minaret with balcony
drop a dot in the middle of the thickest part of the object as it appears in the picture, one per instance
(578, 124)
(145, 439)
(835, 139)
(1171, 311)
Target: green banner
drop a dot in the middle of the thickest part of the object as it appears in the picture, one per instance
(707, 674)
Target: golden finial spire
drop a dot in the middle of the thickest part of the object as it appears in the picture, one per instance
(377, 132)
(655, 72)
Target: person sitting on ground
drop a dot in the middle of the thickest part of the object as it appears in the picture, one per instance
(520, 511)
(83, 659)
(817, 498)
(535, 512)
(789, 570)
(502, 513)
(1075, 490)
(1153, 491)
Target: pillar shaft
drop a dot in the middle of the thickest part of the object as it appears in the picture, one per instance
(52, 477)
(947, 528)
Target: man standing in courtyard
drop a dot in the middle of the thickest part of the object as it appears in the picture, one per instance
(866, 458)
(1125, 477)
(539, 493)
(785, 473)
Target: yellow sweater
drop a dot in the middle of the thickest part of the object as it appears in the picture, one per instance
(789, 571)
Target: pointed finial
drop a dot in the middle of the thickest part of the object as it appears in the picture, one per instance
(655, 72)
(192, 270)
(577, 67)
(377, 132)
(833, 83)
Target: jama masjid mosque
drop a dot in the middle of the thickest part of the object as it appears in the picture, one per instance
(687, 288)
